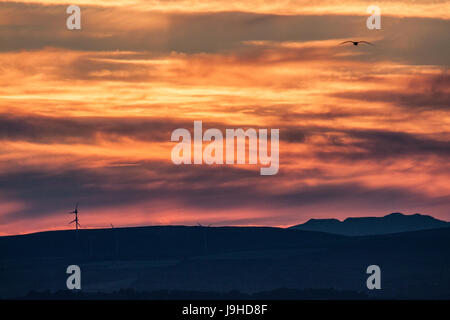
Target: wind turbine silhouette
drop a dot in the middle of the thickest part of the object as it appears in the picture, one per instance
(205, 237)
(76, 217)
(114, 240)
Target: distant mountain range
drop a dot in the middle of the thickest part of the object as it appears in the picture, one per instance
(391, 223)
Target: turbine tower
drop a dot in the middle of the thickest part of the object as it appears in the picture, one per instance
(76, 217)
(205, 236)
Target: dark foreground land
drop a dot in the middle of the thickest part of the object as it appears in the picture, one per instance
(171, 262)
(131, 294)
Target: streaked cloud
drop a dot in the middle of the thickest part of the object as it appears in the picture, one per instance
(87, 115)
(428, 8)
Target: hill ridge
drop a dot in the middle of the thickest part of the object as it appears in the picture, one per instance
(359, 226)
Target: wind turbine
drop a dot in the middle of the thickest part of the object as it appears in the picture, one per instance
(205, 236)
(76, 217)
(114, 240)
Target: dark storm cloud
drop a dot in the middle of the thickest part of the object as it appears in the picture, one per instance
(422, 93)
(90, 130)
(379, 145)
(356, 194)
(195, 187)
(93, 68)
(288, 113)
(109, 29)
(425, 100)
(408, 40)
(351, 144)
(124, 185)
(417, 41)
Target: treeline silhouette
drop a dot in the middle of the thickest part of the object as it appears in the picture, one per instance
(131, 294)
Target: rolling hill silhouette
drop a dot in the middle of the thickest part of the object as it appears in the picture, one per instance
(391, 223)
(222, 259)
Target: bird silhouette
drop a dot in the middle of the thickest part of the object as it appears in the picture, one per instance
(355, 43)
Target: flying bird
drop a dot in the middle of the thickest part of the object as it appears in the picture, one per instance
(355, 43)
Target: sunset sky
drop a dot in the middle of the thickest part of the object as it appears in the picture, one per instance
(86, 115)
